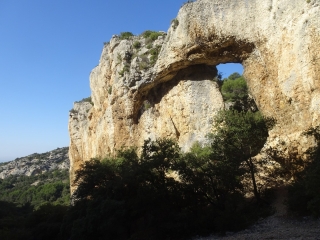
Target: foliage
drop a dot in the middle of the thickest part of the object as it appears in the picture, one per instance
(125, 69)
(146, 105)
(143, 65)
(238, 137)
(73, 111)
(218, 79)
(304, 192)
(137, 45)
(119, 58)
(88, 99)
(127, 197)
(110, 89)
(33, 211)
(161, 194)
(234, 89)
(125, 35)
(152, 35)
(154, 52)
(175, 23)
(234, 76)
(52, 187)
(24, 222)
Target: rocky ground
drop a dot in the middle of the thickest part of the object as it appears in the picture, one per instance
(277, 227)
(36, 163)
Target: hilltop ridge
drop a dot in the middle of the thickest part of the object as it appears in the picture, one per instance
(36, 163)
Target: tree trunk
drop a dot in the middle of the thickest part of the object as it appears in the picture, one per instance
(254, 184)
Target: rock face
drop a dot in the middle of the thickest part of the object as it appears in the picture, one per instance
(278, 43)
(121, 115)
(35, 164)
(137, 94)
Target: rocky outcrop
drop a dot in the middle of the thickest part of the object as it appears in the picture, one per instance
(121, 115)
(278, 43)
(36, 163)
(138, 95)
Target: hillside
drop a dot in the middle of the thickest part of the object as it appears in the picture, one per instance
(35, 164)
(37, 179)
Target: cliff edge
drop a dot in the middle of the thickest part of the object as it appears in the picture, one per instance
(161, 85)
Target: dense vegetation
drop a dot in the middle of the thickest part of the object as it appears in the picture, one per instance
(304, 192)
(162, 193)
(37, 190)
(33, 207)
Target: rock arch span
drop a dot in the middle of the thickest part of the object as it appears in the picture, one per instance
(277, 42)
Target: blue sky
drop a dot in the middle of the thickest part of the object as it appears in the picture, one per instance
(47, 50)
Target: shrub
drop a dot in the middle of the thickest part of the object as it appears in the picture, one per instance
(234, 90)
(110, 89)
(124, 70)
(304, 194)
(154, 35)
(146, 33)
(73, 111)
(143, 65)
(119, 58)
(175, 23)
(144, 62)
(154, 52)
(125, 35)
(88, 99)
(137, 45)
(146, 105)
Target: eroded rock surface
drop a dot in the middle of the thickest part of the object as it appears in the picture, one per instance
(278, 43)
(136, 97)
(36, 163)
(121, 115)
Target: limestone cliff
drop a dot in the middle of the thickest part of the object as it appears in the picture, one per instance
(121, 115)
(138, 95)
(278, 43)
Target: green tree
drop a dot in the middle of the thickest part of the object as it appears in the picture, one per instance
(238, 137)
(125, 35)
(304, 192)
(234, 89)
(234, 76)
(128, 196)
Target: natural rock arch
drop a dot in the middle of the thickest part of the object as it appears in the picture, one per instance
(277, 42)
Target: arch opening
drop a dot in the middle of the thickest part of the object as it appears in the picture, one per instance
(184, 108)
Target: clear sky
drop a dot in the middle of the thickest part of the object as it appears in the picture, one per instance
(47, 50)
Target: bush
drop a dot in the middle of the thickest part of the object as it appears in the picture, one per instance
(154, 52)
(88, 99)
(304, 192)
(125, 35)
(153, 35)
(234, 89)
(137, 45)
(125, 69)
(73, 111)
(132, 197)
(175, 23)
